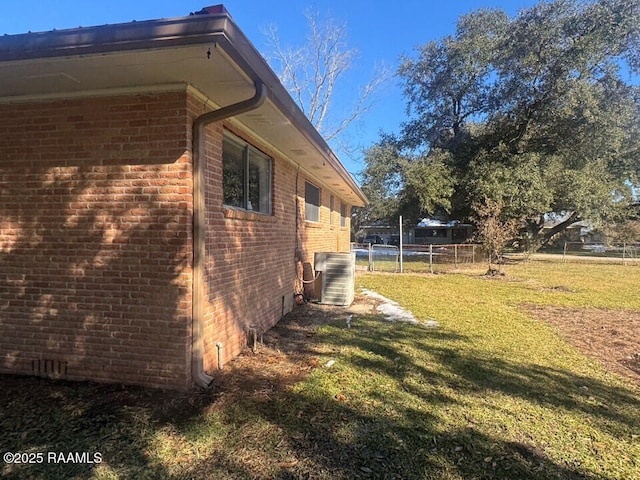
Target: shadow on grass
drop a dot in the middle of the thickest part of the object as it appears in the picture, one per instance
(469, 370)
(39, 415)
(277, 427)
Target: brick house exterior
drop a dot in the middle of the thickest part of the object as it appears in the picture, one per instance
(119, 258)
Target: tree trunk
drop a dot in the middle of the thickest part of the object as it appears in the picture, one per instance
(560, 227)
(533, 228)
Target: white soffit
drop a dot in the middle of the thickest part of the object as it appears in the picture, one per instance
(203, 66)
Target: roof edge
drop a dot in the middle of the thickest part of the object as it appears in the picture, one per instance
(212, 24)
(113, 37)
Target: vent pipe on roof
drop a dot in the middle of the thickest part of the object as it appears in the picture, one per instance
(199, 376)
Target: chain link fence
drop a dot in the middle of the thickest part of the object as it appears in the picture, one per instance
(416, 258)
(626, 253)
(442, 258)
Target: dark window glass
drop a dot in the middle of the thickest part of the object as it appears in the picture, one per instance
(246, 176)
(311, 202)
(233, 164)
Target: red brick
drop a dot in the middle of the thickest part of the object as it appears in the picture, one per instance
(96, 240)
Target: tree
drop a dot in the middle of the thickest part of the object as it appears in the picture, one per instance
(494, 229)
(531, 112)
(314, 72)
(400, 183)
(625, 233)
(381, 183)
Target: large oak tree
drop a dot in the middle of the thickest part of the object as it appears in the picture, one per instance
(539, 113)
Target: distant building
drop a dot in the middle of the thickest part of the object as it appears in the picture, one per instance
(428, 231)
(435, 232)
(579, 232)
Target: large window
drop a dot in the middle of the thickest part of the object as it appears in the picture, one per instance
(246, 176)
(311, 202)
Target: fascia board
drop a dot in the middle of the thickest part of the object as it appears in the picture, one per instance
(216, 29)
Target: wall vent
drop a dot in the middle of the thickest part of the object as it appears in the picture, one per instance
(49, 368)
(336, 277)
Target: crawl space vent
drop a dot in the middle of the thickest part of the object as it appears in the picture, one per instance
(49, 368)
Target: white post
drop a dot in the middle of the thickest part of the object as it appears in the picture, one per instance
(401, 264)
(431, 257)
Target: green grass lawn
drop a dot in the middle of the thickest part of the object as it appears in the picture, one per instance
(491, 394)
(521, 382)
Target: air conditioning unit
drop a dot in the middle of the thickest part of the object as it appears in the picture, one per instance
(336, 277)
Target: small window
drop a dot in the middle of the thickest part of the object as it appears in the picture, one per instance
(246, 176)
(311, 202)
(331, 209)
(343, 214)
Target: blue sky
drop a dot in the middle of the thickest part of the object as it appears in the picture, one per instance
(381, 31)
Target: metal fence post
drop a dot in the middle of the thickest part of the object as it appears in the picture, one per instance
(400, 245)
(431, 257)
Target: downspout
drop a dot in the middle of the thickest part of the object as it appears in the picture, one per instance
(198, 374)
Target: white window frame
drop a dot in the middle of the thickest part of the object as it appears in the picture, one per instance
(251, 156)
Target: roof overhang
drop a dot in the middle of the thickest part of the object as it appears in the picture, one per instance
(206, 53)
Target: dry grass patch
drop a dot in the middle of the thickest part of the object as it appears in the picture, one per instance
(611, 336)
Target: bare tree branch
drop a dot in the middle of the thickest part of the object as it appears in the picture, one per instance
(314, 72)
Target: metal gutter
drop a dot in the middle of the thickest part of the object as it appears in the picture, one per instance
(113, 38)
(199, 218)
(217, 28)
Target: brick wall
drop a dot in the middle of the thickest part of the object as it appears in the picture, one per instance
(250, 267)
(95, 239)
(327, 235)
(251, 264)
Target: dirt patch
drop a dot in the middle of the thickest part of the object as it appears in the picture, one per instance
(285, 354)
(611, 336)
(559, 289)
